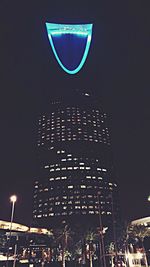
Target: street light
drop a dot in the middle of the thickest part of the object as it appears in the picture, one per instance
(102, 246)
(148, 198)
(13, 199)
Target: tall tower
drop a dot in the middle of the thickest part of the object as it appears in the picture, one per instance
(75, 178)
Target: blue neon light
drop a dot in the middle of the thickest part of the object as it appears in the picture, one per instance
(82, 30)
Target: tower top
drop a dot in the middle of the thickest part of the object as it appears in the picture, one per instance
(70, 44)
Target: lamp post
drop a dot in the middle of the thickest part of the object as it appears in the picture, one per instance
(102, 246)
(114, 227)
(13, 199)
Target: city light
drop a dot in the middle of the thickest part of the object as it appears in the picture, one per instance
(83, 31)
(13, 198)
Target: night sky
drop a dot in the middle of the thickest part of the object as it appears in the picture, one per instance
(117, 70)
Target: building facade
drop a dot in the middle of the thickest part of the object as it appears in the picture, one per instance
(75, 178)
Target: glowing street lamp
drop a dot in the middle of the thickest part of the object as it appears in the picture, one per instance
(148, 198)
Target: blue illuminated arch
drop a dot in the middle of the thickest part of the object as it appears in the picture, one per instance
(83, 31)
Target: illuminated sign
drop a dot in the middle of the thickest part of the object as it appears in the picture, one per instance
(70, 44)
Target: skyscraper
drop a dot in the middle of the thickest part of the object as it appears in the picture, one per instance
(75, 178)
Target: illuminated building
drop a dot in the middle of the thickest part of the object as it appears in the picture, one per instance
(70, 44)
(74, 164)
(4, 225)
(28, 241)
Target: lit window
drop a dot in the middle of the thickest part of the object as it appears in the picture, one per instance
(69, 168)
(75, 168)
(84, 207)
(88, 168)
(89, 196)
(46, 166)
(51, 214)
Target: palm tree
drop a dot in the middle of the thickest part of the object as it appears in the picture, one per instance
(139, 232)
(77, 252)
(90, 237)
(63, 237)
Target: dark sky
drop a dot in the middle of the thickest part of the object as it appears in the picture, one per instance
(117, 69)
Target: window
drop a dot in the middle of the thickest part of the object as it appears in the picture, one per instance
(51, 214)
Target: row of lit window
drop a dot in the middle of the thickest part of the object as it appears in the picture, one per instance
(69, 213)
(74, 207)
(69, 159)
(52, 140)
(78, 123)
(62, 140)
(52, 169)
(70, 168)
(74, 120)
(74, 110)
(65, 177)
(81, 204)
(73, 115)
(74, 137)
(72, 186)
(72, 197)
(76, 133)
(106, 185)
(73, 133)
